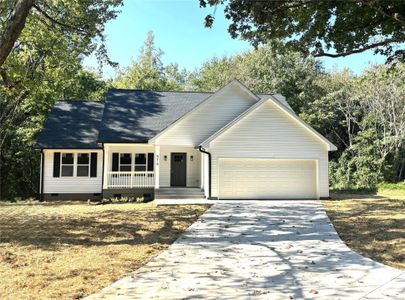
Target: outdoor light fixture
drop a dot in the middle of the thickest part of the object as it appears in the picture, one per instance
(165, 157)
(191, 158)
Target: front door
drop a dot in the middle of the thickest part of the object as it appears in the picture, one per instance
(178, 169)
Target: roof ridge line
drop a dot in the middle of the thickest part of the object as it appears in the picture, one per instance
(79, 100)
(157, 91)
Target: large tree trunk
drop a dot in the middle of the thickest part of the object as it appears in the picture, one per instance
(15, 24)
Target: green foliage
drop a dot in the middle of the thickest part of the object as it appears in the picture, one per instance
(264, 71)
(44, 67)
(115, 200)
(322, 27)
(147, 72)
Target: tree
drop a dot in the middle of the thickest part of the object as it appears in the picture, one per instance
(320, 27)
(82, 20)
(368, 114)
(43, 66)
(147, 72)
(264, 70)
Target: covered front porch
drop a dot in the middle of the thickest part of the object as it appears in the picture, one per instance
(129, 168)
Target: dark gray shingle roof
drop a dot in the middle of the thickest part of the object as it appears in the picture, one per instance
(137, 115)
(128, 116)
(72, 124)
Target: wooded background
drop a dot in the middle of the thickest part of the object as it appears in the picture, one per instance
(43, 43)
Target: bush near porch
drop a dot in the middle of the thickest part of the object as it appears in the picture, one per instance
(65, 251)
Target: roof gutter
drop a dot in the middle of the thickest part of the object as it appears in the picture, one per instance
(202, 150)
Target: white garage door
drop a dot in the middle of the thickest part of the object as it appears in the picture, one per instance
(267, 179)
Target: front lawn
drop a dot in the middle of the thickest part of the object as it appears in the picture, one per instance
(371, 225)
(65, 251)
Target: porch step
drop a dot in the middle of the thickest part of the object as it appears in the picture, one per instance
(179, 193)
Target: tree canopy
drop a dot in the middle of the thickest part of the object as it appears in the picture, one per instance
(148, 72)
(44, 65)
(318, 27)
(81, 21)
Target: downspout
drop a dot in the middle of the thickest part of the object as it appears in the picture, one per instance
(202, 150)
(41, 196)
(102, 173)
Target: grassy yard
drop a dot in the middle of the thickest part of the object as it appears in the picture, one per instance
(65, 251)
(372, 225)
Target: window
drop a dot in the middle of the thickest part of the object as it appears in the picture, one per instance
(83, 163)
(125, 162)
(140, 162)
(67, 165)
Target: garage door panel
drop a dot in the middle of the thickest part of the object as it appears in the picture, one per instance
(267, 179)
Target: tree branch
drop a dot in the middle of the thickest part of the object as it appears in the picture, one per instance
(359, 50)
(14, 27)
(396, 16)
(53, 20)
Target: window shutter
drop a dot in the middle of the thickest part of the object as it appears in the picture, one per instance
(93, 164)
(115, 162)
(150, 161)
(56, 164)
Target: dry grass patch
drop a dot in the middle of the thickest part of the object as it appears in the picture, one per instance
(371, 225)
(67, 251)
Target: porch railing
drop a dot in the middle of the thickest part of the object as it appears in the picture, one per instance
(130, 179)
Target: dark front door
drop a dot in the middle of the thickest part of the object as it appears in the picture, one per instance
(178, 169)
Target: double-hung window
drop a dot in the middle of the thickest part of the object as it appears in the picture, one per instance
(125, 162)
(67, 165)
(140, 162)
(83, 165)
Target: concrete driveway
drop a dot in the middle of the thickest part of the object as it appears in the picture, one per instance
(260, 250)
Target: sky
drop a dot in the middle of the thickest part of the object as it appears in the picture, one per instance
(179, 31)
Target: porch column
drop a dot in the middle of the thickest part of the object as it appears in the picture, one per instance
(157, 166)
(105, 166)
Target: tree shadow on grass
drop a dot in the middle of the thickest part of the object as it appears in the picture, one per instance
(99, 228)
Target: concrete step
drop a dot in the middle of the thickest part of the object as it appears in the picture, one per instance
(179, 193)
(179, 196)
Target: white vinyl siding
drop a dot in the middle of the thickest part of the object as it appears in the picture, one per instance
(268, 132)
(73, 184)
(267, 179)
(193, 167)
(206, 119)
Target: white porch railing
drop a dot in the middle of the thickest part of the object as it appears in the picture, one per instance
(130, 179)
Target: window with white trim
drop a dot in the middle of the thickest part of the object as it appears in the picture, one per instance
(140, 162)
(83, 164)
(67, 165)
(125, 162)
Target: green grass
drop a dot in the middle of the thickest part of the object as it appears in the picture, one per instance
(386, 190)
(392, 190)
(400, 186)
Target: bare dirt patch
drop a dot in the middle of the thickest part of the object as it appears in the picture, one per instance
(67, 251)
(373, 226)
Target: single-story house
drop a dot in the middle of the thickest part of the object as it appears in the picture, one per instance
(231, 144)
